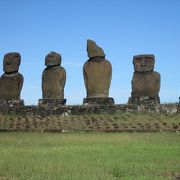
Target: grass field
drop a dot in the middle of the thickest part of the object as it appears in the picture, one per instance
(89, 156)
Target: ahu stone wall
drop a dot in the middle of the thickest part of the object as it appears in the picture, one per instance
(65, 110)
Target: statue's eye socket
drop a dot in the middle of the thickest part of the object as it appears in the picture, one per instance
(138, 60)
(16, 56)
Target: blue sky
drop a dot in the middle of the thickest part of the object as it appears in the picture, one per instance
(123, 28)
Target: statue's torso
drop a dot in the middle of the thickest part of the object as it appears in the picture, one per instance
(53, 82)
(145, 84)
(10, 86)
(97, 76)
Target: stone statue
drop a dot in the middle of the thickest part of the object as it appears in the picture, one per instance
(97, 73)
(11, 81)
(145, 82)
(53, 81)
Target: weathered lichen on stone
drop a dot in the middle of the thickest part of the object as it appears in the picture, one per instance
(53, 78)
(97, 73)
(11, 81)
(145, 82)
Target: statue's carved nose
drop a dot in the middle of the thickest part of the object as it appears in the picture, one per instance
(143, 62)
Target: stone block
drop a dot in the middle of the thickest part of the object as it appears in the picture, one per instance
(144, 63)
(97, 77)
(51, 103)
(94, 50)
(11, 86)
(53, 59)
(53, 82)
(11, 62)
(146, 84)
(98, 101)
(17, 103)
(97, 72)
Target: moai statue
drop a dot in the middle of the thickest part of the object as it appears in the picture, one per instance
(145, 82)
(11, 81)
(97, 73)
(53, 81)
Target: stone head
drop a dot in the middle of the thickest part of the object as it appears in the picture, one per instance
(94, 50)
(144, 63)
(11, 62)
(53, 59)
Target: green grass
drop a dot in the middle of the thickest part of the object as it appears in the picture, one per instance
(89, 156)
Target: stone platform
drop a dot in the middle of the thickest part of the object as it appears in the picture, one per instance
(98, 101)
(11, 103)
(44, 111)
(147, 102)
(50, 103)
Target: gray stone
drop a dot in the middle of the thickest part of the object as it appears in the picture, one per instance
(11, 62)
(51, 103)
(145, 103)
(94, 50)
(98, 101)
(145, 82)
(53, 59)
(97, 73)
(11, 81)
(16, 103)
(10, 86)
(97, 77)
(53, 79)
(44, 111)
(144, 62)
(177, 176)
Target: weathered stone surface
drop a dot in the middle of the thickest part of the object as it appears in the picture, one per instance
(97, 73)
(51, 103)
(177, 176)
(17, 103)
(145, 82)
(11, 81)
(145, 103)
(97, 77)
(60, 119)
(98, 101)
(10, 86)
(44, 111)
(11, 62)
(144, 63)
(94, 50)
(53, 59)
(53, 80)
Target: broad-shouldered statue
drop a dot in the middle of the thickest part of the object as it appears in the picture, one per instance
(146, 81)
(53, 80)
(11, 81)
(97, 72)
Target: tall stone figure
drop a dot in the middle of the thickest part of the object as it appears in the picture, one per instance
(97, 73)
(145, 82)
(53, 81)
(11, 81)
